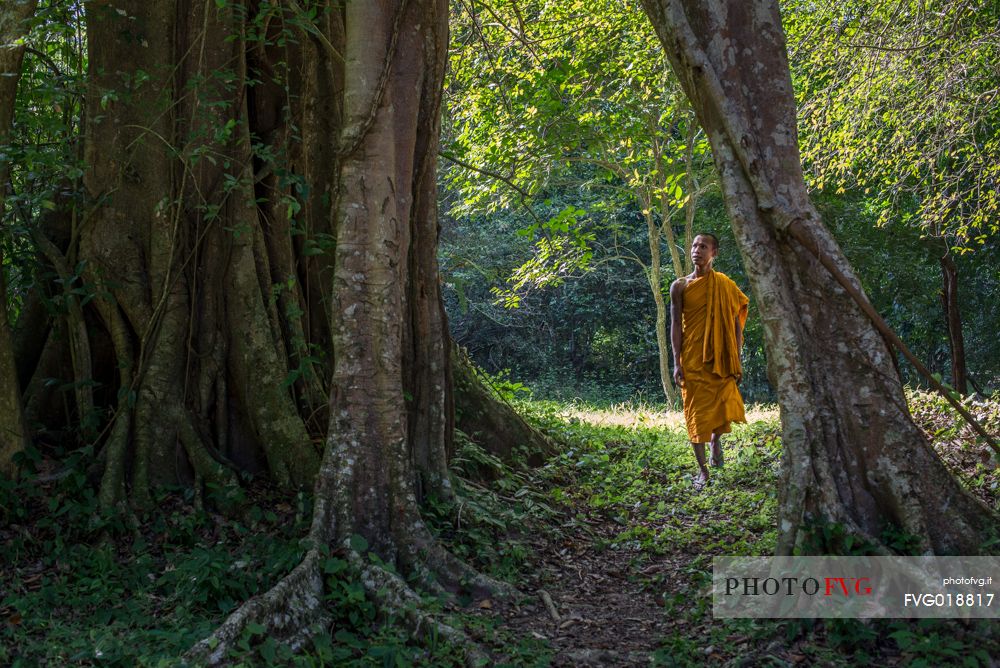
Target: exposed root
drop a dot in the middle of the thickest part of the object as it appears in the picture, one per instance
(456, 572)
(291, 612)
(201, 459)
(492, 422)
(76, 327)
(394, 595)
(38, 395)
(112, 489)
(259, 372)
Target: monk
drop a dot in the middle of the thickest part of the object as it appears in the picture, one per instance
(707, 315)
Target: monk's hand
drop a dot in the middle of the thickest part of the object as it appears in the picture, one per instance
(679, 375)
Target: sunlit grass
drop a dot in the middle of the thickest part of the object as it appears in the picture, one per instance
(632, 464)
(640, 414)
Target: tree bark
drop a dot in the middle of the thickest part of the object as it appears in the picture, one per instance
(491, 423)
(852, 455)
(368, 456)
(953, 319)
(384, 440)
(14, 18)
(208, 295)
(655, 278)
(227, 148)
(390, 408)
(13, 429)
(663, 231)
(694, 189)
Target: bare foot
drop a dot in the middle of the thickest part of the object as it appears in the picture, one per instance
(700, 482)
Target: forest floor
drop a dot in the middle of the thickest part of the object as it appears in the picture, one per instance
(627, 566)
(625, 558)
(611, 530)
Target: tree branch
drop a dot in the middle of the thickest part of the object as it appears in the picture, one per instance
(525, 196)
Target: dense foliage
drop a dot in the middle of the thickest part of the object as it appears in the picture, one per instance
(44, 154)
(545, 119)
(592, 335)
(900, 100)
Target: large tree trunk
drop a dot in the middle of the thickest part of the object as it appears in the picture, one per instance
(852, 455)
(390, 409)
(14, 17)
(260, 227)
(201, 283)
(369, 452)
(953, 319)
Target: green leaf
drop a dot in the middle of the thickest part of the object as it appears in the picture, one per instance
(333, 565)
(358, 543)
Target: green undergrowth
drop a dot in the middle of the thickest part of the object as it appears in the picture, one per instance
(496, 507)
(641, 478)
(627, 465)
(80, 587)
(965, 452)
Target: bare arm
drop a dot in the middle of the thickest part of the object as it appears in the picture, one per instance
(676, 332)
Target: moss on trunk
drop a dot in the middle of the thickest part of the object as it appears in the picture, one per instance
(492, 422)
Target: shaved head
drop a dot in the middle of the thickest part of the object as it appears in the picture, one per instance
(709, 235)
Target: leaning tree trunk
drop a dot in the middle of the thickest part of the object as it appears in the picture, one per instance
(13, 430)
(655, 278)
(852, 455)
(663, 231)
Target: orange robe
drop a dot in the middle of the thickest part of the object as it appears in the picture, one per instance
(713, 304)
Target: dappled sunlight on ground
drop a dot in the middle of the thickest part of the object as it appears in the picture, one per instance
(648, 416)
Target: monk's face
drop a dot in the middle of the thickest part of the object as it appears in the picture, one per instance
(703, 251)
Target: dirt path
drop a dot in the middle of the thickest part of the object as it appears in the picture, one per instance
(607, 615)
(625, 560)
(620, 561)
(617, 601)
(605, 608)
